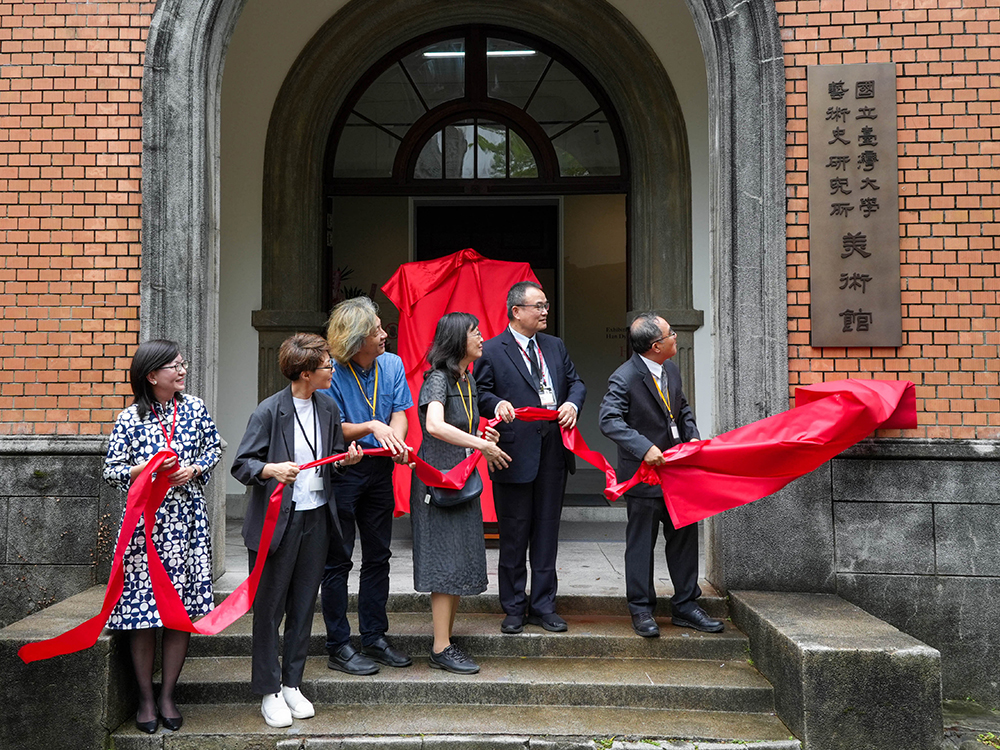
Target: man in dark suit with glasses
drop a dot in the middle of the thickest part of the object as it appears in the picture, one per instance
(645, 413)
(524, 367)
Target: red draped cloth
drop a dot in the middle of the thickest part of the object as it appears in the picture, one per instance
(425, 291)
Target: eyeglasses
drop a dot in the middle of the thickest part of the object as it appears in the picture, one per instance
(540, 306)
(326, 367)
(476, 333)
(177, 367)
(671, 335)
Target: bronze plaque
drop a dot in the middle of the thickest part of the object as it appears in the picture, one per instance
(854, 276)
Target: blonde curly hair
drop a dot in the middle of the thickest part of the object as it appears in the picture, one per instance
(351, 322)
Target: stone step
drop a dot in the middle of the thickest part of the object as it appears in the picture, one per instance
(566, 604)
(412, 727)
(598, 636)
(683, 684)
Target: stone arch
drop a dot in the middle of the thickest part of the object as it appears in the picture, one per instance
(743, 55)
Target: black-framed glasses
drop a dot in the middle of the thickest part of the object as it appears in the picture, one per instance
(325, 367)
(540, 306)
(178, 366)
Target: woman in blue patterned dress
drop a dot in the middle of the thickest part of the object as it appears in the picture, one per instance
(161, 416)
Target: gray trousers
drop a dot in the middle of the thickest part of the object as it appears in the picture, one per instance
(288, 588)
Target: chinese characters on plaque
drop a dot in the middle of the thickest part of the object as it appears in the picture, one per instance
(854, 206)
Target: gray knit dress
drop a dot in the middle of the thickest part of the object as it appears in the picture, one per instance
(449, 553)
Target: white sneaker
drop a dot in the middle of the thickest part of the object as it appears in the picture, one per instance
(297, 703)
(275, 711)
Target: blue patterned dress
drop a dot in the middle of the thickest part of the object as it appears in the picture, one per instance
(181, 534)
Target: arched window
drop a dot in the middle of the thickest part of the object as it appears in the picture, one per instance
(476, 109)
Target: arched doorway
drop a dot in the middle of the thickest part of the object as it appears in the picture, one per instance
(743, 60)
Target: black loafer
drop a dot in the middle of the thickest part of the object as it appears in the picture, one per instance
(551, 622)
(698, 619)
(645, 625)
(384, 653)
(348, 659)
(454, 660)
(512, 624)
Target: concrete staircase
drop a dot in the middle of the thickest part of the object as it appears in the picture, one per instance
(577, 689)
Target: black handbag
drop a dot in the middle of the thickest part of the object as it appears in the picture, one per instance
(445, 498)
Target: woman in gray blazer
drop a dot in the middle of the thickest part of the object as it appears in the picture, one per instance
(288, 429)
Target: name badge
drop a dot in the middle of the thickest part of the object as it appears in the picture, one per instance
(674, 432)
(315, 482)
(548, 397)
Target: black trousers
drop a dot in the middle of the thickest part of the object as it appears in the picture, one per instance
(528, 516)
(364, 502)
(288, 588)
(644, 518)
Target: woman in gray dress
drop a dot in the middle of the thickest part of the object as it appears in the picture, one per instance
(449, 554)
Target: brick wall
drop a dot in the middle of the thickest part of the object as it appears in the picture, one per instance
(70, 144)
(947, 57)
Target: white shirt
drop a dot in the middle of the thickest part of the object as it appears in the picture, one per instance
(303, 497)
(522, 342)
(654, 367)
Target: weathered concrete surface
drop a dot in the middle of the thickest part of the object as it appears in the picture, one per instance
(50, 520)
(363, 727)
(77, 698)
(844, 680)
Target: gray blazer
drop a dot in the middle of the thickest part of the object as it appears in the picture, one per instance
(269, 439)
(635, 417)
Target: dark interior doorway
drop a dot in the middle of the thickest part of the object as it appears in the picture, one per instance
(504, 230)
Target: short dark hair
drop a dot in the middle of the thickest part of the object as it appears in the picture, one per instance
(451, 343)
(301, 353)
(149, 357)
(644, 332)
(517, 294)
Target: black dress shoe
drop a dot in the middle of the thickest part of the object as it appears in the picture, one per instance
(173, 723)
(453, 659)
(512, 624)
(551, 622)
(384, 653)
(644, 624)
(698, 619)
(348, 659)
(149, 727)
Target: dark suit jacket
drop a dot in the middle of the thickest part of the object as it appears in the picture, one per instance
(270, 439)
(635, 417)
(502, 375)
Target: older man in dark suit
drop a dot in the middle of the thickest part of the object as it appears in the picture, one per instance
(524, 367)
(645, 412)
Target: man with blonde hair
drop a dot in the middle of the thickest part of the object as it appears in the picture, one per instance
(369, 386)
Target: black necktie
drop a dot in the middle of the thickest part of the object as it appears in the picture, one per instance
(536, 370)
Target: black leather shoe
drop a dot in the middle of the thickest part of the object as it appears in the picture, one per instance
(384, 653)
(173, 723)
(512, 624)
(698, 619)
(453, 659)
(149, 727)
(645, 625)
(551, 622)
(348, 659)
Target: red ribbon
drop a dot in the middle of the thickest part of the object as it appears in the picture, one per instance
(698, 480)
(704, 478)
(144, 498)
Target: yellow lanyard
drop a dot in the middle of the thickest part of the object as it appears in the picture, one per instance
(467, 409)
(371, 404)
(665, 399)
